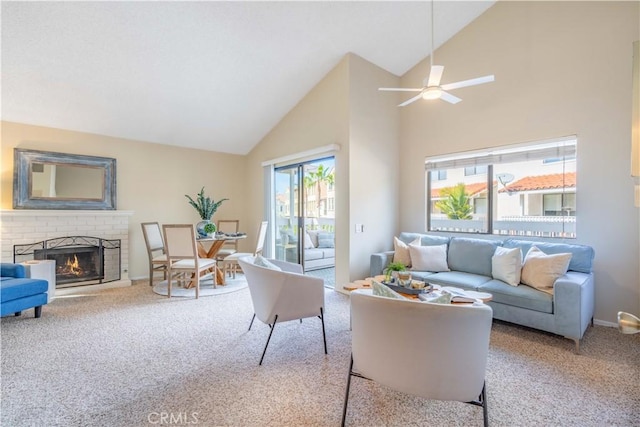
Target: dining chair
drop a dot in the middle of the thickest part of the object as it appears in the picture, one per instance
(183, 259)
(155, 249)
(230, 263)
(281, 292)
(228, 226)
(434, 351)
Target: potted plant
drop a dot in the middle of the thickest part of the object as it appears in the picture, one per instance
(210, 228)
(206, 207)
(391, 267)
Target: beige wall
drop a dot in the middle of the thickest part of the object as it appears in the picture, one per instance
(345, 109)
(152, 178)
(319, 119)
(561, 68)
(374, 162)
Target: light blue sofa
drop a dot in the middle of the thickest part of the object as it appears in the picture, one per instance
(567, 312)
(18, 292)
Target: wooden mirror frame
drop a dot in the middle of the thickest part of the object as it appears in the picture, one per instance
(23, 179)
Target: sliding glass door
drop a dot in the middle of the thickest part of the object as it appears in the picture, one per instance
(305, 215)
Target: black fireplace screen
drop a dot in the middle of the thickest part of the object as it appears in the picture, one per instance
(80, 260)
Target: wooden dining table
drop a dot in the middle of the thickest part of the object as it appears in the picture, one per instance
(214, 244)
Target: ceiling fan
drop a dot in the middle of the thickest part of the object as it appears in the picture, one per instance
(432, 88)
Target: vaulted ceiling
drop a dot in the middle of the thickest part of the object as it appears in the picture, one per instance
(210, 75)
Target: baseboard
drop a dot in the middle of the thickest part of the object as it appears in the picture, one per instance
(92, 288)
(605, 323)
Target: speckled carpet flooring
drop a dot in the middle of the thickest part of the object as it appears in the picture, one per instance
(130, 357)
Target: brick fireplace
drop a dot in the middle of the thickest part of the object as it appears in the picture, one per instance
(99, 229)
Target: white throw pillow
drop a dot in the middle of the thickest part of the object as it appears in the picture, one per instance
(506, 265)
(401, 249)
(429, 258)
(308, 243)
(263, 262)
(541, 270)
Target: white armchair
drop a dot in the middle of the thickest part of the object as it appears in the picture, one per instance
(447, 343)
(279, 296)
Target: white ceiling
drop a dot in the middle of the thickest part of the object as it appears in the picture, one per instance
(211, 75)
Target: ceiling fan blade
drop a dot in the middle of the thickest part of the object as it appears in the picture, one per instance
(435, 75)
(409, 101)
(400, 89)
(445, 96)
(470, 82)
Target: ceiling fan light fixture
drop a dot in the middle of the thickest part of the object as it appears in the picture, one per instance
(432, 93)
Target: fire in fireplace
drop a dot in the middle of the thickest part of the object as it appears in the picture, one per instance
(80, 260)
(75, 264)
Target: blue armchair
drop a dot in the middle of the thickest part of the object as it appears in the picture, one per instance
(18, 292)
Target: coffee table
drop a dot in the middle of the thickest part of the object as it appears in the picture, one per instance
(366, 284)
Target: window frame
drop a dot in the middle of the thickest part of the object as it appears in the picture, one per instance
(562, 150)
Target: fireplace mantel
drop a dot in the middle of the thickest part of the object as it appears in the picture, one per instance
(49, 212)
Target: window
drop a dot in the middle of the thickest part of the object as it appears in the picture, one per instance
(520, 190)
(439, 175)
(475, 170)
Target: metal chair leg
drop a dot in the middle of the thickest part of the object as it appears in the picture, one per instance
(252, 319)
(485, 411)
(346, 394)
(324, 335)
(268, 339)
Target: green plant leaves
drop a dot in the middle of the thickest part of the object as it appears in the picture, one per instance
(205, 206)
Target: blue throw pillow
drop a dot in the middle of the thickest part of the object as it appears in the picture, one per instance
(326, 240)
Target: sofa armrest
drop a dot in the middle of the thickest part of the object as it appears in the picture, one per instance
(13, 270)
(379, 261)
(573, 303)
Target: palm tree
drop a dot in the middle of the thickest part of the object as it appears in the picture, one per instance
(456, 204)
(318, 177)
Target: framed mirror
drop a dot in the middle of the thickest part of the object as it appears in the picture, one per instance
(47, 180)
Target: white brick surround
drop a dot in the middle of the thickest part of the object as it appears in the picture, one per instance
(30, 226)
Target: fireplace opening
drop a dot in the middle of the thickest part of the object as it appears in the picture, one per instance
(74, 264)
(80, 260)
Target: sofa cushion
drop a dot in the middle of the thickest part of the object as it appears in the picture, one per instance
(506, 265)
(425, 239)
(429, 258)
(319, 253)
(581, 255)
(471, 255)
(421, 275)
(458, 279)
(12, 289)
(328, 253)
(311, 254)
(522, 296)
(541, 270)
